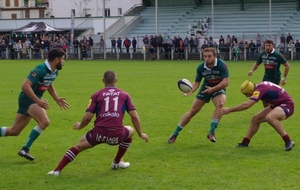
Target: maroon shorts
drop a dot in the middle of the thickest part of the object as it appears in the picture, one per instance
(109, 136)
(288, 109)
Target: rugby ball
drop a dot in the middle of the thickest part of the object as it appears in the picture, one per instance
(184, 85)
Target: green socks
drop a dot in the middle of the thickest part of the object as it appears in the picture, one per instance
(35, 133)
(213, 125)
(177, 130)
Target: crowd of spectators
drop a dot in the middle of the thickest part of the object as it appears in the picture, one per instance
(227, 47)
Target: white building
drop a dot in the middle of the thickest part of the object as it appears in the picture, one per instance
(92, 8)
(16, 9)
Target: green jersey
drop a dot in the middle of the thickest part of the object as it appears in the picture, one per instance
(214, 76)
(272, 64)
(41, 77)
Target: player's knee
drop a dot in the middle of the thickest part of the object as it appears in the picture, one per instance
(255, 119)
(269, 118)
(43, 124)
(220, 105)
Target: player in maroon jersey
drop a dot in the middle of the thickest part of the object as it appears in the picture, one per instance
(281, 106)
(109, 105)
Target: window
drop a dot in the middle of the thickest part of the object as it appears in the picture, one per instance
(27, 13)
(7, 3)
(14, 16)
(16, 2)
(41, 13)
(120, 11)
(107, 12)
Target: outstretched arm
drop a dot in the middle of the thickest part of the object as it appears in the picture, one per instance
(60, 101)
(135, 119)
(240, 107)
(254, 67)
(84, 122)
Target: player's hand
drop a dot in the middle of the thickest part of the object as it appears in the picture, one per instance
(76, 126)
(144, 136)
(62, 103)
(223, 111)
(187, 94)
(43, 104)
(250, 73)
(208, 90)
(283, 82)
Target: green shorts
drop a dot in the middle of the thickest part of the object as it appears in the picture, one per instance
(24, 103)
(275, 80)
(207, 97)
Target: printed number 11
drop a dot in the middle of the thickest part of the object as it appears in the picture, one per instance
(107, 103)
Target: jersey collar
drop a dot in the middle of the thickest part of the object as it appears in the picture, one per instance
(216, 62)
(48, 66)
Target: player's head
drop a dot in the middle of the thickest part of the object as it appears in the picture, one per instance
(247, 88)
(269, 45)
(57, 56)
(209, 55)
(109, 78)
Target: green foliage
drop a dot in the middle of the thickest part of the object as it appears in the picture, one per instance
(192, 162)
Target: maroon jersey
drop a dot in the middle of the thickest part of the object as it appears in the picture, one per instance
(271, 93)
(109, 105)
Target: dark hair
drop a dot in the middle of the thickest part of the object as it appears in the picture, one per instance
(269, 42)
(109, 77)
(55, 53)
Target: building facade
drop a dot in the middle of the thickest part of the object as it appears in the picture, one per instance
(18, 9)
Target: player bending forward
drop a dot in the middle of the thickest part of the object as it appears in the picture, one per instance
(109, 105)
(281, 106)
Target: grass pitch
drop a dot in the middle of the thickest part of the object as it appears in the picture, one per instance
(192, 162)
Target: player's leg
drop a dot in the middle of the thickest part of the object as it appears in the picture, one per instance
(257, 119)
(19, 124)
(123, 146)
(71, 154)
(40, 115)
(186, 118)
(219, 101)
(274, 118)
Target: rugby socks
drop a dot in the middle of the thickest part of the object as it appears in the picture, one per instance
(245, 141)
(35, 133)
(68, 157)
(213, 125)
(123, 146)
(2, 131)
(177, 130)
(286, 138)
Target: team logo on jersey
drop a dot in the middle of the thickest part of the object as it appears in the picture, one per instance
(255, 94)
(90, 101)
(33, 74)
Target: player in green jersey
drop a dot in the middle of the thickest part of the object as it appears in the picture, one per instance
(214, 73)
(31, 105)
(272, 61)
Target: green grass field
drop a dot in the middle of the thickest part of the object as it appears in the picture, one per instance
(192, 162)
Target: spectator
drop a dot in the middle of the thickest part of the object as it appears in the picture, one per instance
(181, 50)
(258, 42)
(83, 50)
(281, 48)
(227, 48)
(235, 51)
(252, 48)
(221, 39)
(167, 49)
(291, 47)
(234, 39)
(297, 46)
(210, 42)
(229, 40)
(146, 42)
(91, 42)
(196, 42)
(102, 44)
(186, 43)
(246, 48)
(241, 49)
(37, 49)
(192, 45)
(282, 39)
(64, 47)
(76, 46)
(113, 45)
(127, 44)
(27, 46)
(134, 42)
(19, 50)
(204, 45)
(289, 38)
(222, 50)
(119, 44)
(159, 41)
(3, 49)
